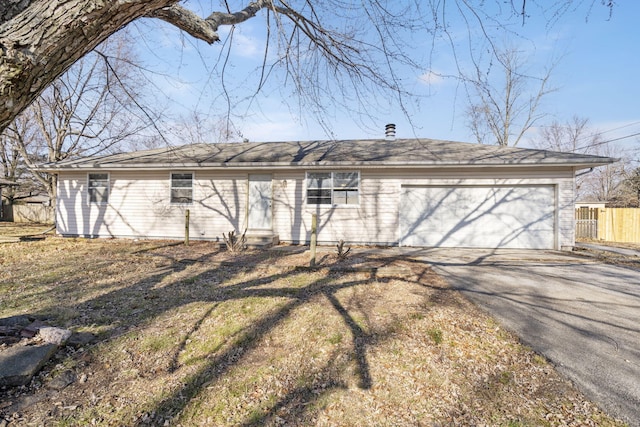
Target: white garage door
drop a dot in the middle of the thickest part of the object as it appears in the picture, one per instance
(478, 216)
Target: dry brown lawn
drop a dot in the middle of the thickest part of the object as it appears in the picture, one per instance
(197, 336)
(12, 231)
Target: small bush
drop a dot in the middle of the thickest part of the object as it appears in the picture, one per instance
(342, 254)
(235, 243)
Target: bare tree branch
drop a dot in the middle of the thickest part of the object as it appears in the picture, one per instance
(40, 40)
(85, 112)
(502, 109)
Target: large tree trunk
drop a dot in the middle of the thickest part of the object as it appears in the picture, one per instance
(42, 41)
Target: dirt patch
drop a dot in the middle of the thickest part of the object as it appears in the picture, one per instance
(198, 336)
(611, 257)
(635, 246)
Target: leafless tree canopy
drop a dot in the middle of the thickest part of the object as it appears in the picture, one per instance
(359, 45)
(89, 110)
(20, 132)
(568, 137)
(504, 107)
(609, 183)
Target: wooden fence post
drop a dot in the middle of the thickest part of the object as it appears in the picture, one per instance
(186, 228)
(314, 239)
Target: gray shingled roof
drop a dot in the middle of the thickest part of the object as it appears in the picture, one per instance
(344, 153)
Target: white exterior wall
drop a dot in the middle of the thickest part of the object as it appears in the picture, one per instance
(567, 216)
(139, 203)
(139, 206)
(375, 220)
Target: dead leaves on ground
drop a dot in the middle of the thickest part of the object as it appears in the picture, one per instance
(196, 336)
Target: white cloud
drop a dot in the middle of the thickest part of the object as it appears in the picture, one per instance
(245, 44)
(431, 78)
(247, 47)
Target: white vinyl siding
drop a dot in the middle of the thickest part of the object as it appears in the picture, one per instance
(140, 206)
(371, 221)
(566, 214)
(376, 219)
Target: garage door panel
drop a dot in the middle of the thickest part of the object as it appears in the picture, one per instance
(487, 217)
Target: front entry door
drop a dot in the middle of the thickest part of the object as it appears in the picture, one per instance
(260, 202)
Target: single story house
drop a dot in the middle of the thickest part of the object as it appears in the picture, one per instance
(407, 192)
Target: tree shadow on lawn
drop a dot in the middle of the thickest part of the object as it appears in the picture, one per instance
(218, 366)
(153, 300)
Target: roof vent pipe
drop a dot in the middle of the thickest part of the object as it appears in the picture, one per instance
(390, 131)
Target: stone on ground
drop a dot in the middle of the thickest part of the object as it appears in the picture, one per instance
(51, 335)
(18, 364)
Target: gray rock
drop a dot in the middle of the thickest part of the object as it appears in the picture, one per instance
(18, 364)
(53, 335)
(20, 320)
(63, 380)
(79, 339)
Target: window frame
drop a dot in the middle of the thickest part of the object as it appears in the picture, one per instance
(172, 188)
(333, 189)
(94, 187)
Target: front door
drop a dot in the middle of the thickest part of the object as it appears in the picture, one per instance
(260, 202)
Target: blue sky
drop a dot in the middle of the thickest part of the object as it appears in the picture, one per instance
(596, 78)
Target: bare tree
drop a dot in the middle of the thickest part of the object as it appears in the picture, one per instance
(199, 129)
(631, 189)
(503, 108)
(89, 110)
(20, 133)
(567, 137)
(327, 39)
(605, 183)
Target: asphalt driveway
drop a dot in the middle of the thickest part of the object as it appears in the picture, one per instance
(581, 314)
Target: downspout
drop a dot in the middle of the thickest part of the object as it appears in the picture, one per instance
(583, 173)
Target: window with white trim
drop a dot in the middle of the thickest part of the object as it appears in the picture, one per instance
(181, 187)
(333, 188)
(98, 187)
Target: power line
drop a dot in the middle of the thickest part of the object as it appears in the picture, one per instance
(595, 144)
(608, 130)
(592, 136)
(620, 127)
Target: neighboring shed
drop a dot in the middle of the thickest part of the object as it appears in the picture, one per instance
(408, 192)
(4, 183)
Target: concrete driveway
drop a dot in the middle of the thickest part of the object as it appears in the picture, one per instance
(582, 315)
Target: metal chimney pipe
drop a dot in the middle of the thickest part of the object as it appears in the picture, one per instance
(390, 131)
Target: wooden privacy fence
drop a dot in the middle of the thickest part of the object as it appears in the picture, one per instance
(619, 225)
(29, 213)
(609, 224)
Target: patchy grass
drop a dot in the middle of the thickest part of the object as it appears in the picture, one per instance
(194, 336)
(9, 231)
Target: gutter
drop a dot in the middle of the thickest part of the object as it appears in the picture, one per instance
(310, 165)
